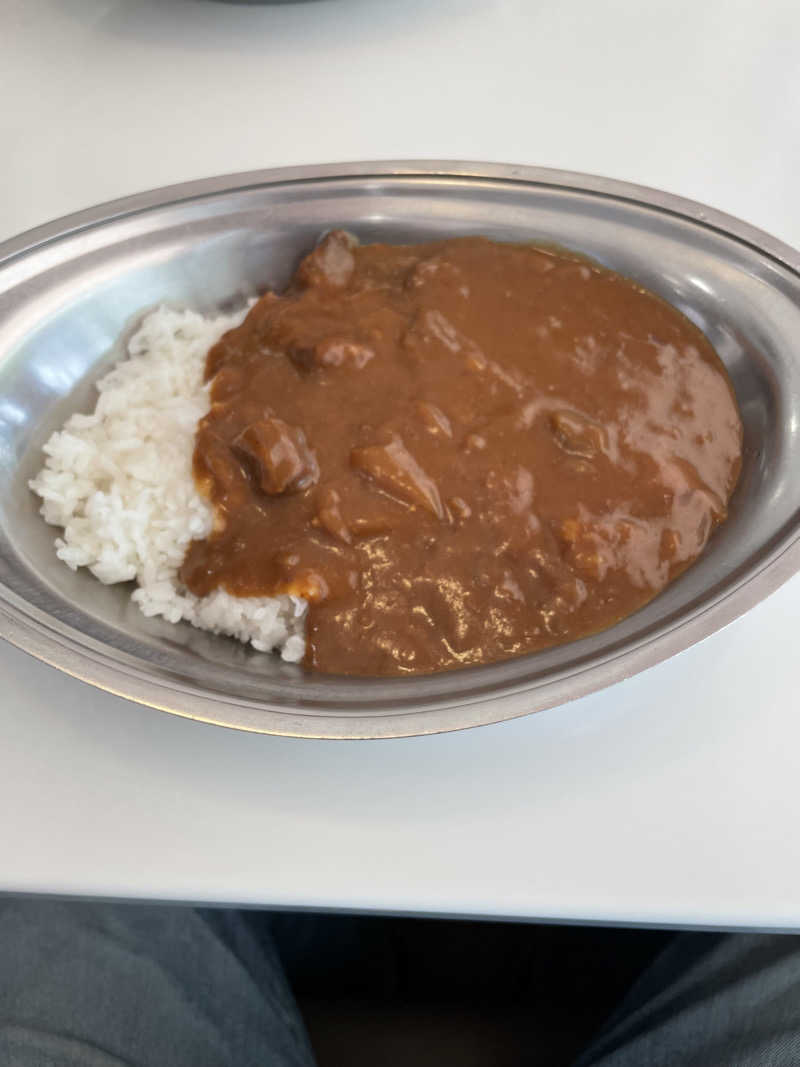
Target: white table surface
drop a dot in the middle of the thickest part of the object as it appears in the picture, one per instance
(671, 798)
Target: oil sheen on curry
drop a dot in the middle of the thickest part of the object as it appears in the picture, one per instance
(459, 452)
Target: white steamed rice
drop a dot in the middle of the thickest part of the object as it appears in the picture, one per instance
(119, 482)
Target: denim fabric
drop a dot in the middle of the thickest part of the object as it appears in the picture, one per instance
(709, 1000)
(100, 985)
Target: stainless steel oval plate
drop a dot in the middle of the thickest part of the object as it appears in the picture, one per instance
(70, 289)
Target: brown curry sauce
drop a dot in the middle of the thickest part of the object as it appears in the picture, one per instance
(459, 452)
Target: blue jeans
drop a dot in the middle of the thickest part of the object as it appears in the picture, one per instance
(115, 985)
(107, 985)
